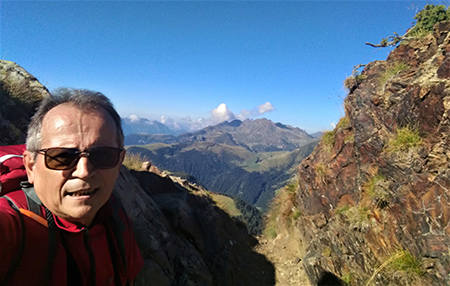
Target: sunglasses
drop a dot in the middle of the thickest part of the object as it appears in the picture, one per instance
(59, 158)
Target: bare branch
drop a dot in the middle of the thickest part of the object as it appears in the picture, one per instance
(390, 41)
(356, 68)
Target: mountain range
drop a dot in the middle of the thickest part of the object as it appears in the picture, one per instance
(136, 125)
(260, 135)
(248, 159)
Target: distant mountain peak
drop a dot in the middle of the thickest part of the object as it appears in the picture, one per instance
(235, 123)
(256, 135)
(133, 124)
(283, 126)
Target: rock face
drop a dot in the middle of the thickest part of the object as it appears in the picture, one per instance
(20, 93)
(361, 199)
(185, 239)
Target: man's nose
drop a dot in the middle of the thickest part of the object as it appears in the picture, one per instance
(83, 168)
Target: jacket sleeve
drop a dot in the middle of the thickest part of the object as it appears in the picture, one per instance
(10, 237)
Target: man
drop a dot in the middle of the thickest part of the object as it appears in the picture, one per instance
(74, 153)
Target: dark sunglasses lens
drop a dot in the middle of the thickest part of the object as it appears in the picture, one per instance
(61, 158)
(104, 157)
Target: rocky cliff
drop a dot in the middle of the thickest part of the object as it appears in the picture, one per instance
(374, 195)
(20, 93)
(185, 239)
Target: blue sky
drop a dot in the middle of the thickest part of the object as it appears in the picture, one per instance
(200, 62)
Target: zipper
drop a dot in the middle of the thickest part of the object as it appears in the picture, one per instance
(91, 256)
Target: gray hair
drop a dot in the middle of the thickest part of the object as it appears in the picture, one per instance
(83, 100)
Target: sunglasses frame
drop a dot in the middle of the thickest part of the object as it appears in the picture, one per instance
(78, 154)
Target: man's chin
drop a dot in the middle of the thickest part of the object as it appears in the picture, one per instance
(81, 215)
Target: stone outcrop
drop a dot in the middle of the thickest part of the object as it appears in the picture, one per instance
(185, 239)
(20, 93)
(361, 202)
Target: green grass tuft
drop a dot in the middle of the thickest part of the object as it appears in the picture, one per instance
(405, 139)
(341, 210)
(370, 186)
(407, 263)
(349, 138)
(328, 140)
(344, 122)
(292, 187)
(419, 33)
(296, 214)
(326, 252)
(270, 232)
(347, 279)
(359, 217)
(392, 71)
(406, 266)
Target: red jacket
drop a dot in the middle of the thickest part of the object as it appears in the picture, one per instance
(84, 245)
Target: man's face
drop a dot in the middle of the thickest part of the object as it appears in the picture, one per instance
(78, 193)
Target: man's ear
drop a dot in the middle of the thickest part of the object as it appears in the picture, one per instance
(122, 156)
(28, 162)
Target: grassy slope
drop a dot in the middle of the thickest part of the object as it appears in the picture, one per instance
(252, 162)
(151, 147)
(227, 204)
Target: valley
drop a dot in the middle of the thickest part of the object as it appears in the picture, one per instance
(242, 166)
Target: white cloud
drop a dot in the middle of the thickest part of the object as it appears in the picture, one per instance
(263, 108)
(133, 118)
(333, 124)
(185, 123)
(163, 120)
(222, 113)
(266, 107)
(245, 114)
(218, 115)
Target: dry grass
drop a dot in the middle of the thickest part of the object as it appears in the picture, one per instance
(226, 203)
(321, 173)
(133, 161)
(282, 212)
(378, 190)
(359, 217)
(353, 80)
(18, 89)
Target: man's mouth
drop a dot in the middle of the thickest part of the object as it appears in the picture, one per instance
(82, 193)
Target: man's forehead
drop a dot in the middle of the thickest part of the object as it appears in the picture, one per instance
(67, 111)
(64, 116)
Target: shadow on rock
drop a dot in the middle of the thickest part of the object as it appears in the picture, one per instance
(185, 239)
